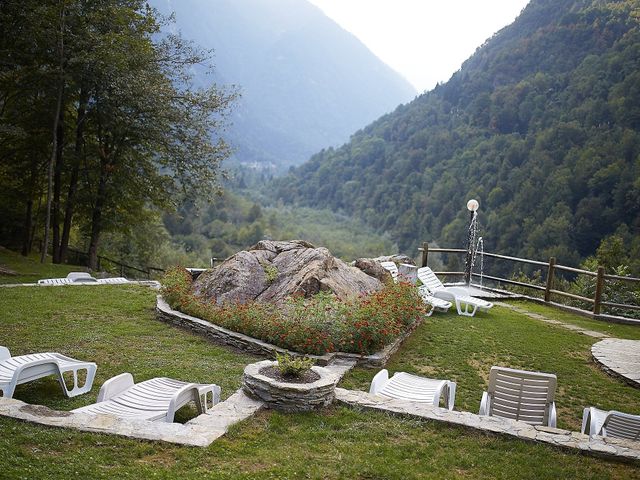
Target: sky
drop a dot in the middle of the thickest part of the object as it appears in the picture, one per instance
(425, 41)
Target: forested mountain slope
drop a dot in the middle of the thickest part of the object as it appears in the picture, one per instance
(541, 125)
(305, 83)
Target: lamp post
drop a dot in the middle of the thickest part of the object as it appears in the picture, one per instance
(472, 206)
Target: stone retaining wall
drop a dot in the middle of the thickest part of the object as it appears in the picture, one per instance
(597, 445)
(249, 344)
(199, 432)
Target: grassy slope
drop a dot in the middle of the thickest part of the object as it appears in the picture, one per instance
(30, 270)
(114, 326)
(463, 349)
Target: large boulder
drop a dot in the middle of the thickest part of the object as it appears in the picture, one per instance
(372, 267)
(271, 271)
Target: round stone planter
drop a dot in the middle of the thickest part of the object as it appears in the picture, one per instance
(289, 397)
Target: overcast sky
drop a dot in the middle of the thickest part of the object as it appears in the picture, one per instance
(424, 40)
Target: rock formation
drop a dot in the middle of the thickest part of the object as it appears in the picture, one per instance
(271, 271)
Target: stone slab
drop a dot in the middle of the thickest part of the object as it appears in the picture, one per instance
(620, 358)
(200, 432)
(596, 445)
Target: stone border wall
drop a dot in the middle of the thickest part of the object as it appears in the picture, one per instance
(201, 431)
(596, 445)
(249, 344)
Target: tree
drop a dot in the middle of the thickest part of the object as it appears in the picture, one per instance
(141, 134)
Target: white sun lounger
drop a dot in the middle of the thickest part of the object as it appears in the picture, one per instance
(520, 395)
(82, 278)
(112, 281)
(157, 399)
(611, 424)
(465, 304)
(436, 303)
(26, 368)
(405, 386)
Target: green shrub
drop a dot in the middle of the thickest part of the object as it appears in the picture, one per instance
(314, 325)
(290, 366)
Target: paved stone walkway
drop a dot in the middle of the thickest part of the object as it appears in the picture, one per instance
(201, 431)
(542, 318)
(620, 358)
(595, 445)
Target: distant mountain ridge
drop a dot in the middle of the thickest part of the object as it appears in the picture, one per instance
(541, 124)
(306, 83)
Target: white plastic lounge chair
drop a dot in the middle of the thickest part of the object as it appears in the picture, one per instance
(81, 277)
(84, 278)
(465, 304)
(25, 368)
(157, 399)
(436, 303)
(405, 386)
(112, 281)
(392, 268)
(611, 424)
(520, 395)
(73, 277)
(54, 281)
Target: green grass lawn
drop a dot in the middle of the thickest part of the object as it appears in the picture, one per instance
(463, 349)
(30, 270)
(115, 327)
(614, 329)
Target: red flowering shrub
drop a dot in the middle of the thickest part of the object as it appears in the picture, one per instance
(317, 325)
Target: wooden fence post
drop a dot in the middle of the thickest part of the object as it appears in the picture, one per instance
(550, 274)
(425, 254)
(599, 287)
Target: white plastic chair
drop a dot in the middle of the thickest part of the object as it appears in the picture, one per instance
(520, 395)
(392, 268)
(465, 304)
(405, 386)
(15, 371)
(54, 281)
(81, 277)
(154, 400)
(611, 424)
(112, 281)
(436, 303)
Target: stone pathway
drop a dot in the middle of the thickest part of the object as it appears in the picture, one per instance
(542, 318)
(620, 358)
(200, 432)
(554, 436)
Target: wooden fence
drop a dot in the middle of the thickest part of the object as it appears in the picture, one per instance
(124, 270)
(551, 267)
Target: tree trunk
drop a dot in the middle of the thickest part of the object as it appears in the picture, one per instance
(54, 148)
(96, 218)
(28, 219)
(27, 237)
(57, 187)
(73, 181)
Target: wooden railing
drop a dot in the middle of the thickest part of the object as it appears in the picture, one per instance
(551, 267)
(81, 258)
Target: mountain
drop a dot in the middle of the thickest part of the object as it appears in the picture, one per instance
(541, 125)
(306, 83)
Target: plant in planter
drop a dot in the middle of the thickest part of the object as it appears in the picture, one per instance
(295, 369)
